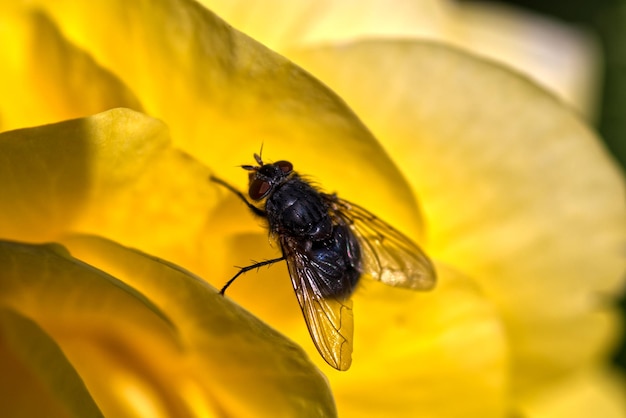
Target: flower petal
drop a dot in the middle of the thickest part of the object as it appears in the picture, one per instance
(34, 367)
(102, 325)
(441, 353)
(413, 351)
(592, 392)
(517, 191)
(305, 22)
(235, 95)
(510, 35)
(274, 23)
(95, 175)
(526, 41)
(53, 173)
(250, 369)
(45, 78)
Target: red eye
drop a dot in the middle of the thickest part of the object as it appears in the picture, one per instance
(284, 166)
(258, 189)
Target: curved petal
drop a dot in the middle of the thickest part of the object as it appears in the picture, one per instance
(45, 78)
(102, 325)
(274, 23)
(501, 32)
(34, 367)
(591, 392)
(242, 95)
(518, 193)
(236, 95)
(415, 352)
(95, 175)
(229, 350)
(305, 22)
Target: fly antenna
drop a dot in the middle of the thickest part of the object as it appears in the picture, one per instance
(258, 157)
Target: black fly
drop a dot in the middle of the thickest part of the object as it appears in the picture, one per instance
(328, 244)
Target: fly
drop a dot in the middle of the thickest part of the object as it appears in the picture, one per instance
(328, 244)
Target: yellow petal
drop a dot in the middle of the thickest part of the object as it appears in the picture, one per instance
(523, 40)
(45, 78)
(282, 23)
(103, 326)
(223, 95)
(442, 353)
(35, 368)
(518, 193)
(250, 369)
(275, 23)
(53, 173)
(96, 175)
(504, 33)
(413, 351)
(592, 392)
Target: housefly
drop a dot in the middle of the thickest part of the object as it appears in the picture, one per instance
(328, 244)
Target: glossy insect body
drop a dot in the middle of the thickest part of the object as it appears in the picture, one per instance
(329, 244)
(299, 215)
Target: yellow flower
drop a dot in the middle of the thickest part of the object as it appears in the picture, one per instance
(521, 209)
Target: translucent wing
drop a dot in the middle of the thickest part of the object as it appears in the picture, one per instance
(387, 255)
(329, 319)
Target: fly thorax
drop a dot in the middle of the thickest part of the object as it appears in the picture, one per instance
(296, 209)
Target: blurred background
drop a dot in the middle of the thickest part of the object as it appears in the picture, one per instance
(602, 95)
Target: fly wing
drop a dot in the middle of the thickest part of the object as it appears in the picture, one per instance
(329, 319)
(387, 255)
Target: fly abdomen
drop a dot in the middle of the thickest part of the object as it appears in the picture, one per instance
(338, 262)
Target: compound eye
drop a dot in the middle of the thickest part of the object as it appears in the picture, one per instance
(258, 189)
(284, 166)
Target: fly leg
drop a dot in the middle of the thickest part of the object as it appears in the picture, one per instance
(248, 268)
(253, 208)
